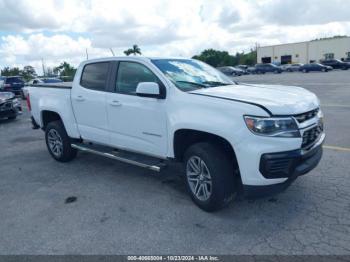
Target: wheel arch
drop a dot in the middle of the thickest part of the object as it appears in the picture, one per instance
(184, 138)
(48, 116)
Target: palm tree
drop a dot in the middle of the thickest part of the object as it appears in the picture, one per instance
(65, 70)
(134, 50)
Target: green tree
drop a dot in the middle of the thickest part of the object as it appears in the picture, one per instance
(28, 73)
(215, 57)
(218, 58)
(7, 71)
(65, 71)
(248, 58)
(134, 50)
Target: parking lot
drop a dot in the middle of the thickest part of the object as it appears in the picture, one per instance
(128, 210)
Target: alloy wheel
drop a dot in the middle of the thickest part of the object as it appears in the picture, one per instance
(199, 179)
(55, 142)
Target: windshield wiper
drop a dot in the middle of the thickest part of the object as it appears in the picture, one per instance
(192, 83)
(216, 83)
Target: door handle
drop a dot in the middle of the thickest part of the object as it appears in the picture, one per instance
(115, 103)
(80, 98)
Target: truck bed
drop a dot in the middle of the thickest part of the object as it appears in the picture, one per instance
(64, 85)
(56, 98)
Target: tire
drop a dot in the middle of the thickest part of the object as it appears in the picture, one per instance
(305, 71)
(208, 169)
(55, 134)
(12, 117)
(324, 70)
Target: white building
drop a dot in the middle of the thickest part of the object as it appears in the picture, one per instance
(306, 52)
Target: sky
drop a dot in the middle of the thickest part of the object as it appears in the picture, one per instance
(54, 31)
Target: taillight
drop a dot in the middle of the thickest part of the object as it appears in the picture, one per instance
(28, 103)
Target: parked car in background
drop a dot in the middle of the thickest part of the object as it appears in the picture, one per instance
(38, 81)
(47, 80)
(13, 84)
(2, 81)
(293, 67)
(10, 106)
(231, 71)
(285, 67)
(251, 70)
(315, 67)
(336, 64)
(267, 68)
(244, 68)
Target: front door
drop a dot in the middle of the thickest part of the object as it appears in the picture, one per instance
(89, 102)
(136, 123)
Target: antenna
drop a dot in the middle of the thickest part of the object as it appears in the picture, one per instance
(112, 51)
(87, 54)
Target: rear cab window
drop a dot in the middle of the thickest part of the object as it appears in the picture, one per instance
(94, 76)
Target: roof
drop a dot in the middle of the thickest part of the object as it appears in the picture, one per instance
(316, 40)
(132, 58)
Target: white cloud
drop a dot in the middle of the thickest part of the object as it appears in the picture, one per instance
(58, 30)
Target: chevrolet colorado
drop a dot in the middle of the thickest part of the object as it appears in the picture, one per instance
(147, 111)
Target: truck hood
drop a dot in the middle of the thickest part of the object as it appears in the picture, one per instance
(4, 96)
(278, 99)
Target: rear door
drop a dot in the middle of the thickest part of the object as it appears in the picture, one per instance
(89, 102)
(136, 123)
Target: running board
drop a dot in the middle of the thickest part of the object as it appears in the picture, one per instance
(139, 160)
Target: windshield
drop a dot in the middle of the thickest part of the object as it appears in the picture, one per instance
(189, 74)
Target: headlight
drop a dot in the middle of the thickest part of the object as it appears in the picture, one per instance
(320, 118)
(16, 102)
(277, 127)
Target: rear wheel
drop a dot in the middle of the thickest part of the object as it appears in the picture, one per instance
(58, 142)
(209, 176)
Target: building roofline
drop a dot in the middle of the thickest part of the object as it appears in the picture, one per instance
(302, 42)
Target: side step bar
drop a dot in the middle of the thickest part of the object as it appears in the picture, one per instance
(123, 157)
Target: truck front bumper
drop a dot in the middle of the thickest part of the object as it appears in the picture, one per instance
(288, 164)
(9, 113)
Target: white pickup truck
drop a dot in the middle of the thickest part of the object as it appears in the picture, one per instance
(147, 111)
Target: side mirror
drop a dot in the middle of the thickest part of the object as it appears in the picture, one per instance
(148, 89)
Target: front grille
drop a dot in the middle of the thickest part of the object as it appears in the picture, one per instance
(310, 136)
(306, 116)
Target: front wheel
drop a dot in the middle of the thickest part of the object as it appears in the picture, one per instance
(58, 142)
(209, 176)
